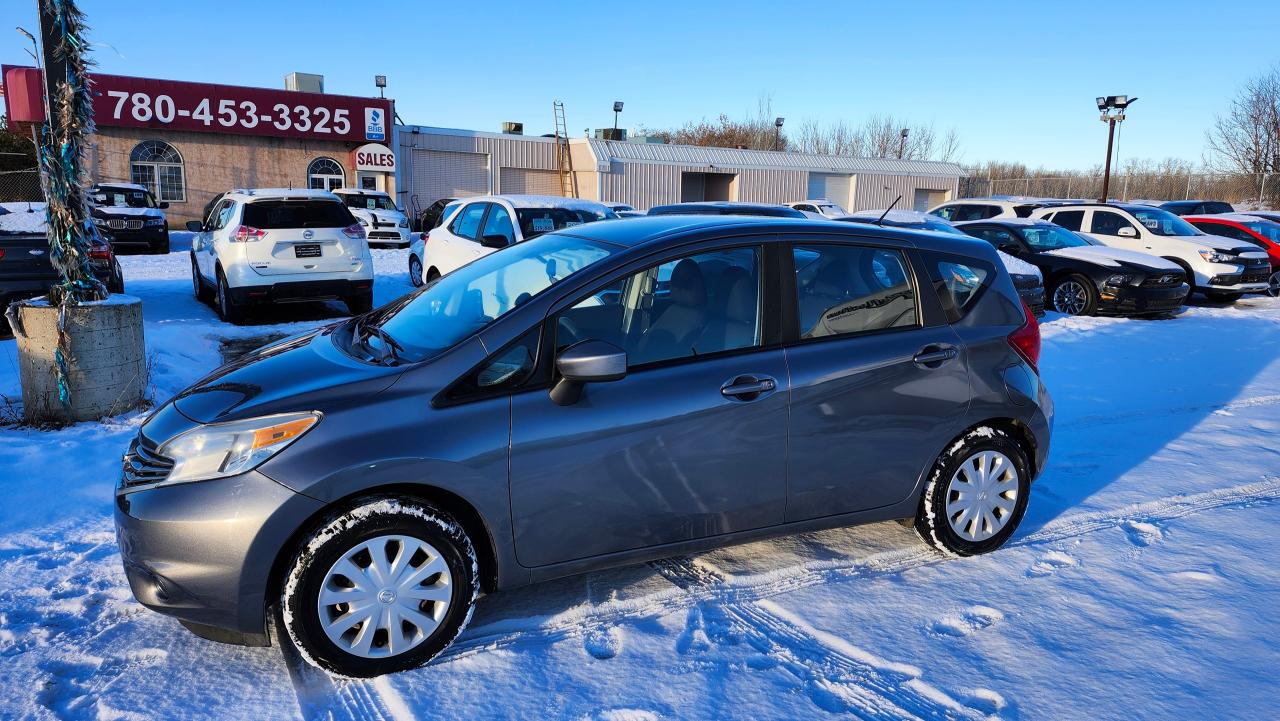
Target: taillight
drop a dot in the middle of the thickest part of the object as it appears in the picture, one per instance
(1, 253)
(247, 233)
(1026, 339)
(102, 252)
(424, 237)
(353, 231)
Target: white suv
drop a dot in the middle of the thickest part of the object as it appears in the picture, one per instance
(277, 244)
(820, 208)
(483, 224)
(960, 211)
(384, 223)
(1221, 268)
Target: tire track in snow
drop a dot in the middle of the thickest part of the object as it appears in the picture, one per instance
(322, 697)
(837, 676)
(754, 587)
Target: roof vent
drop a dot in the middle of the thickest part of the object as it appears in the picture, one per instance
(510, 128)
(304, 82)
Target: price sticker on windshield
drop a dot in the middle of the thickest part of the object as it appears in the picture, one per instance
(543, 225)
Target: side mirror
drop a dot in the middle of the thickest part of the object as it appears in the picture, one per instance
(1127, 232)
(195, 226)
(591, 361)
(164, 205)
(1011, 248)
(495, 241)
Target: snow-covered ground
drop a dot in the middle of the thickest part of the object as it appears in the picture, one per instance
(1142, 583)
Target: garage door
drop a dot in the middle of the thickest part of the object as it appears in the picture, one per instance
(529, 182)
(832, 186)
(441, 174)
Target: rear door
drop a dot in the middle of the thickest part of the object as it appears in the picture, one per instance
(302, 235)
(877, 377)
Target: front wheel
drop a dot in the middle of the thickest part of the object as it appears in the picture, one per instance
(383, 587)
(976, 494)
(1075, 295)
(228, 309)
(1273, 285)
(415, 271)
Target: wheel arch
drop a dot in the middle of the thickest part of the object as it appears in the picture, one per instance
(1016, 429)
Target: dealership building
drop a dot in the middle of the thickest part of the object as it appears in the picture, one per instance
(440, 162)
(187, 142)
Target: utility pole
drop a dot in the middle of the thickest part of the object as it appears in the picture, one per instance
(902, 142)
(1112, 109)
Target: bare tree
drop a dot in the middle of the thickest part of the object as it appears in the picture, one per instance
(1247, 138)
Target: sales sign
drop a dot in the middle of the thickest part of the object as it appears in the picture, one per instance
(128, 102)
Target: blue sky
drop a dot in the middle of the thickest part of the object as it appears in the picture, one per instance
(1016, 80)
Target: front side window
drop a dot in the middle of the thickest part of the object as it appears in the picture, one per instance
(222, 215)
(1069, 219)
(843, 289)
(707, 303)
(946, 212)
(1106, 222)
(973, 212)
(1051, 237)
(467, 224)
(157, 166)
(999, 237)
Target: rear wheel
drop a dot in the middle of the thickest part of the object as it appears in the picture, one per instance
(228, 309)
(1273, 285)
(202, 292)
(383, 587)
(1075, 295)
(415, 271)
(432, 275)
(360, 303)
(976, 494)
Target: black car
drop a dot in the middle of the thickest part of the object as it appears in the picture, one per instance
(1083, 277)
(131, 216)
(432, 216)
(1197, 207)
(724, 207)
(25, 269)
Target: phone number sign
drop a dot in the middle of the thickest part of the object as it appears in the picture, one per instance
(130, 102)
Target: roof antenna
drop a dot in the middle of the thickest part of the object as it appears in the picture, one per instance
(880, 220)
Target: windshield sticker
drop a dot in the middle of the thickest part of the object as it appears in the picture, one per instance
(543, 225)
(571, 223)
(1151, 223)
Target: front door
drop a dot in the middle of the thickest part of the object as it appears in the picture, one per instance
(690, 444)
(871, 387)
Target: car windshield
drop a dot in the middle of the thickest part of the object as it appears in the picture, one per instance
(369, 202)
(1051, 237)
(461, 303)
(536, 221)
(1265, 228)
(122, 198)
(1162, 222)
(830, 209)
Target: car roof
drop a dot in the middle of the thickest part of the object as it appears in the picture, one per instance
(361, 191)
(728, 208)
(538, 201)
(1230, 217)
(1020, 222)
(277, 193)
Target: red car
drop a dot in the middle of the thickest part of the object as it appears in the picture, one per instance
(1254, 229)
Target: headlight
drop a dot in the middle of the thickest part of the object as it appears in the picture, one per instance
(1119, 279)
(100, 222)
(155, 222)
(404, 223)
(1214, 256)
(225, 449)
(362, 221)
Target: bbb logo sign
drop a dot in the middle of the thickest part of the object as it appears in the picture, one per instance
(375, 124)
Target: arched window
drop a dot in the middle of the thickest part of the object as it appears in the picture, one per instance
(325, 174)
(158, 166)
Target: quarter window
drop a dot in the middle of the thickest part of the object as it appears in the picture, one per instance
(158, 166)
(694, 306)
(958, 282)
(468, 223)
(842, 289)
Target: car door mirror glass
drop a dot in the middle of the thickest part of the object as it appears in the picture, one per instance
(591, 361)
(195, 226)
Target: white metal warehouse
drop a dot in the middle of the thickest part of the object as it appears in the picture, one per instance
(439, 162)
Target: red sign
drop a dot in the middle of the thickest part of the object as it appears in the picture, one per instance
(127, 102)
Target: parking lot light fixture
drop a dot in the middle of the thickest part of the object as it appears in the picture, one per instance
(777, 133)
(902, 142)
(381, 82)
(617, 108)
(1111, 108)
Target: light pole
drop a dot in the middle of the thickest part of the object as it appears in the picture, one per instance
(902, 142)
(381, 82)
(777, 133)
(1112, 109)
(617, 108)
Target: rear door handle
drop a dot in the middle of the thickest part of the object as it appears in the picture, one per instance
(935, 355)
(748, 387)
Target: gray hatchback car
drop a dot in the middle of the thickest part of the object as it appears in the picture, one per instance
(597, 396)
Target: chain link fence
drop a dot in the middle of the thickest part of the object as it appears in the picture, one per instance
(1259, 190)
(20, 185)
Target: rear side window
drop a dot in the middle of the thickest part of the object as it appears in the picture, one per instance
(959, 281)
(845, 289)
(269, 214)
(1069, 219)
(536, 221)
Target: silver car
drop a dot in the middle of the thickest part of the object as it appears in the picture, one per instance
(601, 395)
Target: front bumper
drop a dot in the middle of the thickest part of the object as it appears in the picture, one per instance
(147, 236)
(301, 290)
(203, 552)
(1138, 300)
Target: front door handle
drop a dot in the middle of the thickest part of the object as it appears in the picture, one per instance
(746, 388)
(935, 355)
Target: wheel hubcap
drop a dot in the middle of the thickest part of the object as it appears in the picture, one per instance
(385, 596)
(1274, 283)
(982, 495)
(1070, 298)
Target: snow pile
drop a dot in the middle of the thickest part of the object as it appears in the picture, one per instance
(1021, 267)
(23, 218)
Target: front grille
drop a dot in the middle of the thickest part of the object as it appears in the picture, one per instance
(121, 224)
(383, 235)
(1256, 276)
(1164, 280)
(142, 464)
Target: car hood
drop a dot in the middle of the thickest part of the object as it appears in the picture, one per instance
(384, 217)
(122, 211)
(303, 373)
(1217, 242)
(1115, 257)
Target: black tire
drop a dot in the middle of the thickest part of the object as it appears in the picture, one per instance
(228, 309)
(360, 303)
(203, 292)
(116, 283)
(161, 248)
(432, 275)
(1077, 305)
(1190, 276)
(1227, 298)
(1273, 285)
(415, 271)
(341, 533)
(932, 521)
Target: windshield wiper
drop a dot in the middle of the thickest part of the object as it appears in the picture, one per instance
(363, 330)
